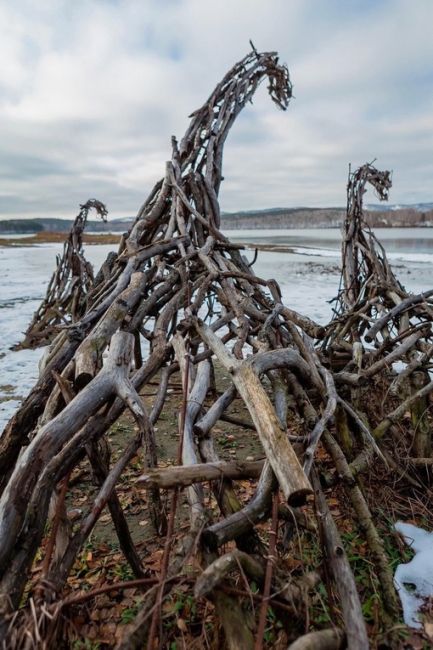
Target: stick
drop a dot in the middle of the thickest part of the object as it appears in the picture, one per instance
(182, 476)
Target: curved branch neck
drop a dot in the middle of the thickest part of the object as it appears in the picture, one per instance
(188, 194)
(354, 242)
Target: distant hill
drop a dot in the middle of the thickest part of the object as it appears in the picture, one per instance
(383, 215)
(391, 217)
(385, 207)
(27, 226)
(284, 218)
(20, 226)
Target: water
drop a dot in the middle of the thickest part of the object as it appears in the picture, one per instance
(25, 273)
(16, 236)
(406, 244)
(308, 277)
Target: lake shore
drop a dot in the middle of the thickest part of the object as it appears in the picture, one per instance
(27, 241)
(57, 238)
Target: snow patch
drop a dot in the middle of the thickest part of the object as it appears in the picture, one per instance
(414, 580)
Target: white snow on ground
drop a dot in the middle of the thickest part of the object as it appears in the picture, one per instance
(25, 273)
(414, 580)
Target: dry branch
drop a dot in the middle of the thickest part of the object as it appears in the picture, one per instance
(66, 295)
(185, 475)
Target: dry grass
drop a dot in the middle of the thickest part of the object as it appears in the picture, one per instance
(59, 238)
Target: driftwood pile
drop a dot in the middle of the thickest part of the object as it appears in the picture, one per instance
(183, 293)
(65, 298)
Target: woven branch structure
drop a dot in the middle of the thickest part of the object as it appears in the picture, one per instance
(65, 298)
(180, 300)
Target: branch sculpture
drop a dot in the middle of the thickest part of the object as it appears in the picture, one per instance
(65, 298)
(181, 300)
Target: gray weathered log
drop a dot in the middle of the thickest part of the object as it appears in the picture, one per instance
(182, 476)
(293, 482)
(356, 632)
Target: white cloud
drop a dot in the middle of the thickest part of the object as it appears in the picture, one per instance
(91, 92)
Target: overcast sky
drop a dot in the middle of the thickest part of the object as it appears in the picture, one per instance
(91, 92)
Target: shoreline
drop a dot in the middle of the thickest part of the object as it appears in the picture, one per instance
(57, 238)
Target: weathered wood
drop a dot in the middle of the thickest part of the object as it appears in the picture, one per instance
(356, 632)
(332, 639)
(241, 522)
(410, 301)
(398, 352)
(194, 398)
(64, 566)
(65, 299)
(101, 471)
(322, 422)
(221, 567)
(173, 266)
(88, 357)
(218, 408)
(169, 477)
(54, 435)
(17, 431)
(365, 522)
(293, 482)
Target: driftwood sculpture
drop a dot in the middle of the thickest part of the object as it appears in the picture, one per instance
(65, 298)
(182, 301)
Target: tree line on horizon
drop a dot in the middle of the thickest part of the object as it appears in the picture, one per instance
(273, 218)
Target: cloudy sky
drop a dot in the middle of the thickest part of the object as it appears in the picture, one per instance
(91, 91)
